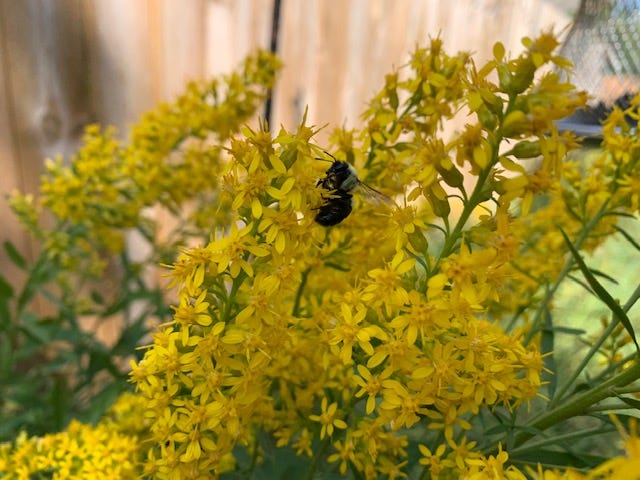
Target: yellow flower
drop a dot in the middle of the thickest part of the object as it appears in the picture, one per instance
(81, 451)
(328, 418)
(346, 454)
(387, 289)
(404, 407)
(349, 332)
(194, 312)
(434, 461)
(303, 444)
(370, 384)
(233, 250)
(627, 466)
(494, 467)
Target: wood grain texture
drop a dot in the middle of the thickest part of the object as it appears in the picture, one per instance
(336, 54)
(66, 63)
(44, 102)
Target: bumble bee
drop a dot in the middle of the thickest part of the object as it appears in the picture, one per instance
(340, 180)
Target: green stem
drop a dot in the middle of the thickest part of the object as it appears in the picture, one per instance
(584, 234)
(615, 366)
(634, 389)
(451, 240)
(635, 296)
(478, 193)
(254, 453)
(579, 404)
(556, 439)
(609, 407)
(583, 363)
(235, 286)
(303, 283)
(425, 473)
(592, 351)
(319, 454)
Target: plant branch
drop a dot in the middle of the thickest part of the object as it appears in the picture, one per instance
(579, 404)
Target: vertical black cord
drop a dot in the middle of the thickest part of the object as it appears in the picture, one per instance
(273, 48)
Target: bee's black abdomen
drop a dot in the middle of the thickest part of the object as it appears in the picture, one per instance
(339, 180)
(335, 209)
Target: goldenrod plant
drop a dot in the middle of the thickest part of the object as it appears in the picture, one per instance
(54, 366)
(417, 339)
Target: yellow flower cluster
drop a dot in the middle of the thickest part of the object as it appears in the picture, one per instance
(86, 206)
(111, 449)
(348, 338)
(377, 348)
(104, 189)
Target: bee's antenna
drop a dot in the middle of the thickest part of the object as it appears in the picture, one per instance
(325, 160)
(330, 155)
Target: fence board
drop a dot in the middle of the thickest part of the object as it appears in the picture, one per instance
(44, 102)
(69, 62)
(336, 58)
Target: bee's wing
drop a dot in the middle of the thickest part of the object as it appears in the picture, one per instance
(373, 196)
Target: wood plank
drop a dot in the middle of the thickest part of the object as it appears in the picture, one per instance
(336, 58)
(12, 176)
(125, 63)
(43, 97)
(69, 62)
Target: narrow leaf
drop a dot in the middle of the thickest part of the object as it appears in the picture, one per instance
(600, 291)
(6, 291)
(38, 277)
(622, 214)
(584, 285)
(568, 330)
(599, 273)
(547, 346)
(560, 459)
(632, 402)
(629, 238)
(15, 256)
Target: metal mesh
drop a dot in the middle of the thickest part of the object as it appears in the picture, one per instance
(603, 44)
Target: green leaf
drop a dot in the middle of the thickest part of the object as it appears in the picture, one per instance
(130, 337)
(276, 462)
(6, 358)
(547, 345)
(101, 359)
(583, 284)
(599, 273)
(558, 459)
(525, 149)
(629, 238)
(6, 292)
(37, 331)
(632, 402)
(600, 291)
(622, 214)
(567, 330)
(38, 276)
(60, 400)
(500, 428)
(15, 256)
(628, 422)
(100, 403)
(97, 297)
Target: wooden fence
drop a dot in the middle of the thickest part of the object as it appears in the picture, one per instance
(65, 63)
